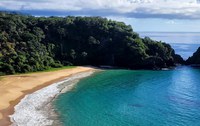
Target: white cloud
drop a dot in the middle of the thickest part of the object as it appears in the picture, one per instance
(171, 9)
(170, 22)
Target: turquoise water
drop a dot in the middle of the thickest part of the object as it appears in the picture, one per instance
(133, 98)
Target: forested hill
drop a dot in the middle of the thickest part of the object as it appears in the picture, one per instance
(30, 43)
(195, 59)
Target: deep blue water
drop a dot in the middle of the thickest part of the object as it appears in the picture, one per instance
(184, 43)
(133, 98)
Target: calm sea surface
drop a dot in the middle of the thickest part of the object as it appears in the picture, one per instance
(184, 43)
(133, 98)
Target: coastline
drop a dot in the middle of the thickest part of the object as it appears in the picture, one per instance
(13, 88)
(36, 109)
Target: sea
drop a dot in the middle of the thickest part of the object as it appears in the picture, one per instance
(133, 98)
(137, 97)
(184, 43)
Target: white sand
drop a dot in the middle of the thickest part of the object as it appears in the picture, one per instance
(36, 110)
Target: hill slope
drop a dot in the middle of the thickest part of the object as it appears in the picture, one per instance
(30, 43)
(194, 59)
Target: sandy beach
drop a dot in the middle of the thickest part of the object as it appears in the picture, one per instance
(13, 88)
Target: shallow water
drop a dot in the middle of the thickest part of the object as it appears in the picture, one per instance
(133, 98)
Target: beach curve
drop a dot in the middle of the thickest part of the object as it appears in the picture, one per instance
(13, 88)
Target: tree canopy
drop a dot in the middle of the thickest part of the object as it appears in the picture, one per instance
(194, 59)
(29, 43)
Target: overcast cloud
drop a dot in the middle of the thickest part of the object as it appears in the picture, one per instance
(167, 9)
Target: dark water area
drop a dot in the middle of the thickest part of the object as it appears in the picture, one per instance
(133, 98)
(184, 43)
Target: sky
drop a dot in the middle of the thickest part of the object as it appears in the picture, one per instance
(143, 15)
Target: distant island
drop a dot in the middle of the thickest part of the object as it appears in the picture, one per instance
(29, 43)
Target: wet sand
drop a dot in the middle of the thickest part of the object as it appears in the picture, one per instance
(14, 87)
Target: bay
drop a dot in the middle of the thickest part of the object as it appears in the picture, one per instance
(133, 98)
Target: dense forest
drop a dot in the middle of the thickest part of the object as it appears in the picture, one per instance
(29, 43)
(195, 59)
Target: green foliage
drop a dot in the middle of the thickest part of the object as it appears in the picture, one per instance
(7, 68)
(195, 59)
(30, 44)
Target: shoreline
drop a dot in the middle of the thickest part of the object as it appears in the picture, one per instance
(13, 88)
(40, 103)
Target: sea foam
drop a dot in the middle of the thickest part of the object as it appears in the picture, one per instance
(35, 109)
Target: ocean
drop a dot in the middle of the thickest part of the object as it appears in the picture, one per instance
(184, 43)
(133, 98)
(137, 97)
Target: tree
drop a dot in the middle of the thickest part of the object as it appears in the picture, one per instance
(30, 43)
